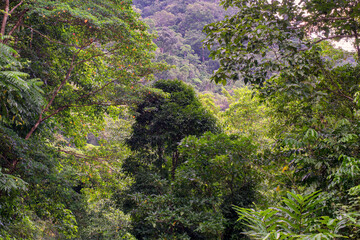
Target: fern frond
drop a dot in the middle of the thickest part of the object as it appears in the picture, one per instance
(21, 97)
(10, 183)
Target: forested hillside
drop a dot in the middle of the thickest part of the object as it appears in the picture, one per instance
(179, 29)
(163, 119)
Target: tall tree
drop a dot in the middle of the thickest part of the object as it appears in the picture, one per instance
(271, 45)
(81, 51)
(90, 58)
(162, 120)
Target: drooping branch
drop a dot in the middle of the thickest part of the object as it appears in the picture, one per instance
(332, 18)
(323, 19)
(339, 91)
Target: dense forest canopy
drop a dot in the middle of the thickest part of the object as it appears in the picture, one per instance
(113, 124)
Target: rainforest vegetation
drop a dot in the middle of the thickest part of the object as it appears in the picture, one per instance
(186, 119)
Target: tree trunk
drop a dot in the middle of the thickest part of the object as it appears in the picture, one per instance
(5, 18)
(175, 161)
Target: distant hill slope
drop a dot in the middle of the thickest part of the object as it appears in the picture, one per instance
(179, 25)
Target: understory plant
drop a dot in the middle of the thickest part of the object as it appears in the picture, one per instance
(299, 218)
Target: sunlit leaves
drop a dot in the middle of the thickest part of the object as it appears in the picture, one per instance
(265, 38)
(299, 218)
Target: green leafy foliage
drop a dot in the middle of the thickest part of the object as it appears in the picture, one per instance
(86, 53)
(299, 218)
(21, 98)
(218, 168)
(246, 114)
(90, 57)
(11, 183)
(214, 173)
(89, 150)
(267, 38)
(162, 120)
(179, 27)
(33, 203)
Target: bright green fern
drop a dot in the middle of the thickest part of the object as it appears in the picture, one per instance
(20, 98)
(297, 219)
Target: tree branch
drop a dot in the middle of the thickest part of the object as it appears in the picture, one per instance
(12, 10)
(51, 40)
(327, 38)
(68, 74)
(78, 99)
(5, 18)
(332, 37)
(332, 18)
(17, 24)
(40, 119)
(339, 91)
(78, 155)
(319, 20)
(357, 43)
(83, 156)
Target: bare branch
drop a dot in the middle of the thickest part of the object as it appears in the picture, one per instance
(5, 18)
(14, 8)
(357, 44)
(17, 24)
(332, 18)
(41, 119)
(332, 37)
(327, 38)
